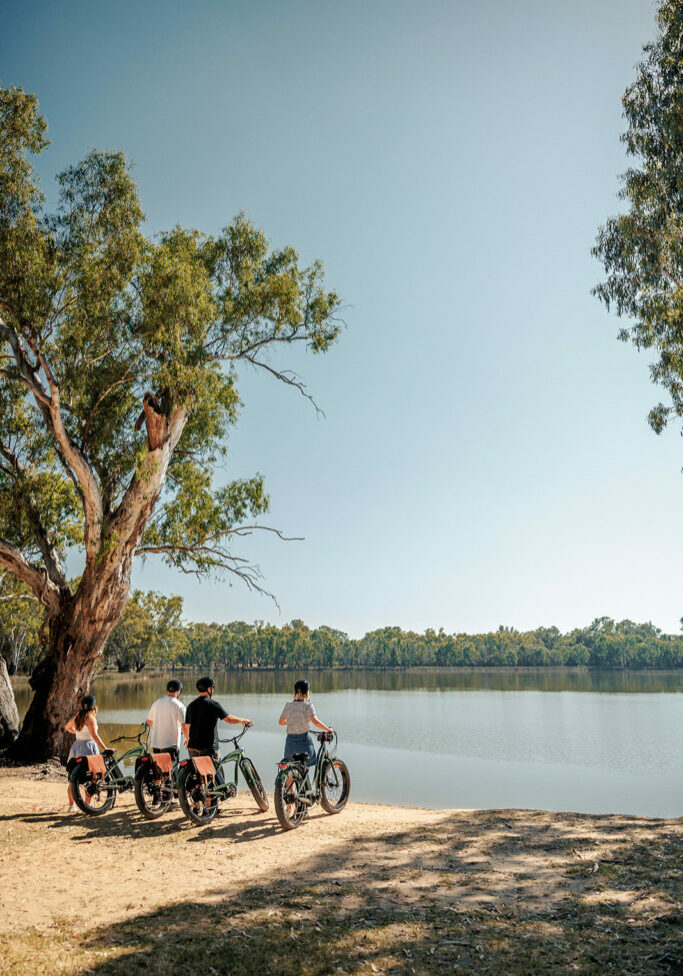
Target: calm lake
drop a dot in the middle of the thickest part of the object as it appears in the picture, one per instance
(592, 742)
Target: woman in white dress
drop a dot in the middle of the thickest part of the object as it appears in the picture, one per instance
(88, 743)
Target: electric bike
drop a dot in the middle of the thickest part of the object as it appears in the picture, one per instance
(294, 792)
(202, 784)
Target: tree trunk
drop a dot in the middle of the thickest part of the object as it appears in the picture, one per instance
(78, 634)
(80, 624)
(9, 715)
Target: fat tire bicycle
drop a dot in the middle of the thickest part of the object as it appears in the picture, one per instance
(155, 783)
(294, 793)
(95, 789)
(201, 785)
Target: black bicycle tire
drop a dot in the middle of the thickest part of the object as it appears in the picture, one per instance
(185, 805)
(253, 781)
(147, 812)
(325, 803)
(78, 782)
(286, 822)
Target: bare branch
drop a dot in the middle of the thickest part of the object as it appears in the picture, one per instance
(249, 574)
(248, 529)
(286, 376)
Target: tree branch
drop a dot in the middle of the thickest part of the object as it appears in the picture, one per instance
(285, 376)
(247, 573)
(73, 458)
(53, 564)
(101, 397)
(142, 494)
(14, 562)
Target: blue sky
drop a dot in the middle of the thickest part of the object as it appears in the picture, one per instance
(485, 456)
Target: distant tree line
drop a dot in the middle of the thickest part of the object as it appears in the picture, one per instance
(151, 633)
(604, 643)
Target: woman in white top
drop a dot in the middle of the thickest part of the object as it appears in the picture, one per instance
(88, 743)
(296, 715)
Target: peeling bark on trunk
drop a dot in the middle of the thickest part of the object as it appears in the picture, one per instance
(77, 638)
(9, 715)
(79, 625)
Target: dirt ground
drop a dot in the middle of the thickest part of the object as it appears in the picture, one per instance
(373, 889)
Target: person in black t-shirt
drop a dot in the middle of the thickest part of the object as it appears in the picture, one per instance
(201, 719)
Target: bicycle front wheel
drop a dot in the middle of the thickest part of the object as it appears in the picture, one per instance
(254, 783)
(335, 786)
(289, 807)
(93, 798)
(194, 802)
(152, 795)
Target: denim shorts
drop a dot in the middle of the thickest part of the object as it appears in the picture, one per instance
(300, 743)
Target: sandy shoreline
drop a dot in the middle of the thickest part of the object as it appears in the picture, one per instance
(72, 882)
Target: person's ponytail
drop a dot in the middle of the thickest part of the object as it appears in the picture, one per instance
(88, 705)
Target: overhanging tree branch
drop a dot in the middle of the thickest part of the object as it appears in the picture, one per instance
(50, 407)
(53, 564)
(34, 576)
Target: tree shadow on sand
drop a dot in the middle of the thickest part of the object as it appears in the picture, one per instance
(483, 893)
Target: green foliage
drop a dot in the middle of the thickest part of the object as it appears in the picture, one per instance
(149, 633)
(94, 317)
(603, 644)
(642, 249)
(20, 621)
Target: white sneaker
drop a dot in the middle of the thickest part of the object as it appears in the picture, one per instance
(72, 809)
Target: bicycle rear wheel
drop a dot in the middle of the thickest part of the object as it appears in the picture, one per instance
(335, 786)
(254, 783)
(289, 808)
(152, 795)
(93, 798)
(194, 802)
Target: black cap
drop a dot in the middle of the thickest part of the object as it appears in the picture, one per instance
(203, 684)
(88, 702)
(174, 685)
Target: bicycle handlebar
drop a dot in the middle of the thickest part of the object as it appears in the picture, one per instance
(236, 738)
(130, 738)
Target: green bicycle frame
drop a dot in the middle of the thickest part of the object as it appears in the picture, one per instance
(123, 782)
(226, 789)
(111, 781)
(323, 757)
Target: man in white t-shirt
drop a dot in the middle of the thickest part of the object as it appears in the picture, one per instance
(166, 717)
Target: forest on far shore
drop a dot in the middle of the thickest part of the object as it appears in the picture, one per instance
(151, 633)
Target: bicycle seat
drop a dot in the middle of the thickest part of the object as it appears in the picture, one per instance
(300, 756)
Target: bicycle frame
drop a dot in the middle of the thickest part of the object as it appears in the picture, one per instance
(119, 783)
(312, 792)
(123, 782)
(228, 788)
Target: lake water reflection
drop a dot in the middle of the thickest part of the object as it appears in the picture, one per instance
(555, 739)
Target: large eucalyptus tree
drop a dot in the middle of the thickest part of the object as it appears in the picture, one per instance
(118, 359)
(642, 248)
